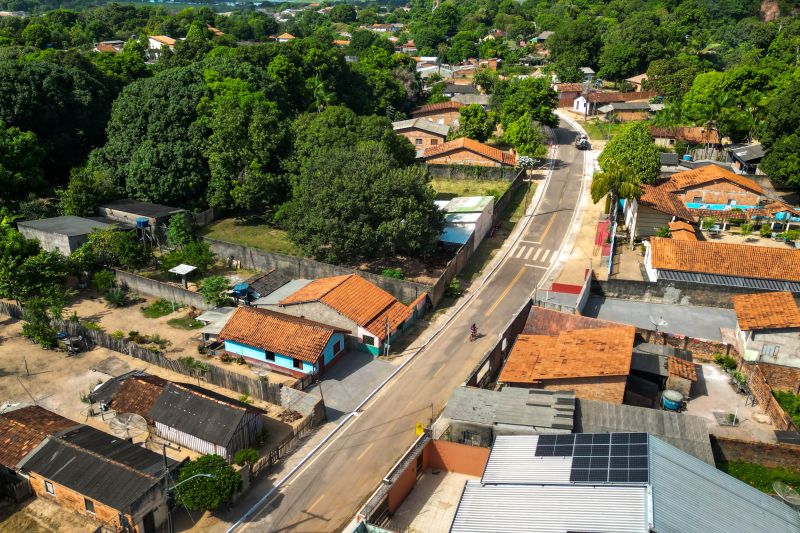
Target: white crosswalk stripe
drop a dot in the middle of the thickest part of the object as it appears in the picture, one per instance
(527, 255)
(544, 257)
(534, 254)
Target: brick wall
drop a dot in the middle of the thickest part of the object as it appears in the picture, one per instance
(427, 139)
(606, 388)
(71, 500)
(720, 193)
(462, 157)
(702, 350)
(783, 378)
(762, 453)
(763, 394)
(455, 457)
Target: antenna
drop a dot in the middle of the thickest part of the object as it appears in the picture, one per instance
(787, 494)
(128, 425)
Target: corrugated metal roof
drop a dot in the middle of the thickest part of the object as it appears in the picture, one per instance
(560, 508)
(282, 292)
(690, 495)
(513, 460)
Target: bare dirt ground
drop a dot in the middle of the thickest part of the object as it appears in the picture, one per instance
(39, 515)
(91, 307)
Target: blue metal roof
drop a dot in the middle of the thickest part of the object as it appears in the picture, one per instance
(455, 235)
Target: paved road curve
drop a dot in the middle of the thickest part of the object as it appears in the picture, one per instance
(328, 491)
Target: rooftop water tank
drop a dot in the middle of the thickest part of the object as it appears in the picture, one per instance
(142, 222)
(688, 157)
(671, 400)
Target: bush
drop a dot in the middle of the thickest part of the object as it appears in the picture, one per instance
(790, 403)
(454, 289)
(91, 325)
(759, 476)
(729, 363)
(207, 493)
(395, 273)
(37, 323)
(214, 290)
(116, 297)
(709, 222)
(159, 308)
(245, 398)
(738, 376)
(245, 455)
(746, 229)
(765, 230)
(118, 334)
(103, 280)
(719, 358)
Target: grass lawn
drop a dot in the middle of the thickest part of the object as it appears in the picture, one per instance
(185, 322)
(759, 476)
(489, 246)
(159, 308)
(252, 234)
(446, 189)
(597, 130)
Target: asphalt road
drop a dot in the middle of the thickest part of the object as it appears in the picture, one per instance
(326, 493)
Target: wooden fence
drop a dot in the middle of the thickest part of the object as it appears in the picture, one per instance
(263, 465)
(256, 388)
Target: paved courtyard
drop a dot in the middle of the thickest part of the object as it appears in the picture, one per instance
(349, 381)
(697, 322)
(431, 505)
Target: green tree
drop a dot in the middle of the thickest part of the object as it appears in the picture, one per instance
(343, 13)
(475, 123)
(36, 35)
(782, 116)
(179, 231)
(36, 325)
(533, 96)
(629, 160)
(782, 161)
(20, 164)
(215, 290)
(207, 493)
(525, 136)
(114, 248)
(86, 191)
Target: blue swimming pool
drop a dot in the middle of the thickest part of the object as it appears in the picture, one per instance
(718, 207)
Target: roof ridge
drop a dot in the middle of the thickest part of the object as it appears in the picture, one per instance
(60, 438)
(198, 393)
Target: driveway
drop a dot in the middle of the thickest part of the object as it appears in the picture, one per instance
(349, 381)
(696, 322)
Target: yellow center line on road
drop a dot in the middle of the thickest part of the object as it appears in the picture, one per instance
(506, 291)
(315, 503)
(362, 454)
(546, 230)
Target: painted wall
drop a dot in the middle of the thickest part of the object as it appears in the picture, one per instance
(258, 354)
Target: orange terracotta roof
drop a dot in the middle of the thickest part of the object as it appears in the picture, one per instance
(772, 209)
(543, 321)
(341, 42)
(164, 39)
(137, 394)
(364, 303)
(215, 31)
(691, 135)
(441, 106)
(463, 143)
(681, 368)
(569, 87)
(278, 333)
(285, 35)
(24, 429)
(740, 260)
(659, 196)
(769, 310)
(702, 175)
(682, 231)
(106, 47)
(570, 354)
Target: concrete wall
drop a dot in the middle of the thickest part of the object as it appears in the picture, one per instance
(158, 289)
(51, 242)
(448, 117)
(467, 172)
(455, 457)
(298, 267)
(669, 292)
(762, 453)
(787, 341)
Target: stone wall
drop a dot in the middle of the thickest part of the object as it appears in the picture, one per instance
(669, 292)
(158, 289)
(298, 267)
(783, 378)
(761, 453)
(762, 392)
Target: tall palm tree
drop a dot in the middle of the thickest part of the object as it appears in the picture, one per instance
(322, 96)
(618, 182)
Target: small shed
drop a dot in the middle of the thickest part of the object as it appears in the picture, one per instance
(466, 215)
(129, 211)
(60, 234)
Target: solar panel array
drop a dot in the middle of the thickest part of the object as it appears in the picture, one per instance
(600, 457)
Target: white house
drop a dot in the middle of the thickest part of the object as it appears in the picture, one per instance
(768, 328)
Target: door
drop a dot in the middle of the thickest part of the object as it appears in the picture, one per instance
(149, 522)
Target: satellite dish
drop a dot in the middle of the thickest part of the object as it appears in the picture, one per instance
(128, 425)
(787, 493)
(660, 323)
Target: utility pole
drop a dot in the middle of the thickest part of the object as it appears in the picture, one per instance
(386, 343)
(166, 489)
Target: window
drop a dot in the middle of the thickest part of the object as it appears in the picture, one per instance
(697, 199)
(297, 363)
(418, 141)
(269, 356)
(337, 347)
(769, 350)
(49, 488)
(89, 504)
(434, 142)
(369, 341)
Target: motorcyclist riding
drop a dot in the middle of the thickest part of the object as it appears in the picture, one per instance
(473, 332)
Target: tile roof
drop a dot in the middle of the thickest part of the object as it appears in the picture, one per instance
(607, 98)
(702, 175)
(724, 259)
(681, 368)
(570, 354)
(137, 394)
(364, 303)
(278, 333)
(543, 321)
(108, 47)
(341, 42)
(691, 135)
(164, 39)
(768, 310)
(450, 105)
(569, 87)
(285, 35)
(463, 143)
(682, 231)
(771, 209)
(24, 429)
(659, 196)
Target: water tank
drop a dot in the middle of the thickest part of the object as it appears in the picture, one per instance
(671, 400)
(142, 222)
(688, 157)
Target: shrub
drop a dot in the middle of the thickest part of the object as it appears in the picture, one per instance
(245, 398)
(91, 325)
(116, 297)
(663, 231)
(719, 358)
(118, 334)
(765, 230)
(159, 308)
(262, 437)
(214, 290)
(454, 289)
(790, 403)
(240, 361)
(729, 363)
(103, 280)
(746, 229)
(207, 493)
(395, 273)
(245, 455)
(709, 222)
(37, 323)
(738, 376)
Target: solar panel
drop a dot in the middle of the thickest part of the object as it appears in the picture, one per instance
(610, 458)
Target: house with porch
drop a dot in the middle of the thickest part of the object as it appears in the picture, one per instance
(656, 208)
(718, 263)
(421, 132)
(446, 113)
(464, 151)
(285, 343)
(779, 215)
(371, 316)
(768, 328)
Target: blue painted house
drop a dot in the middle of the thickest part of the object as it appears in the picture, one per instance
(285, 343)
